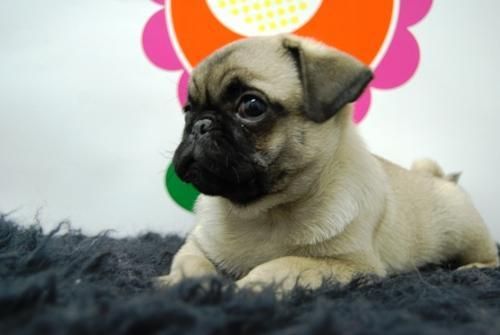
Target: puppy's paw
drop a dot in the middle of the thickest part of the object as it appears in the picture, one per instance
(167, 280)
(253, 284)
(256, 281)
(478, 266)
(279, 279)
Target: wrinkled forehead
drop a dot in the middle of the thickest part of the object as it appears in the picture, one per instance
(256, 63)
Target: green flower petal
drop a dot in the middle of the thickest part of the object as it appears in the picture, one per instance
(183, 193)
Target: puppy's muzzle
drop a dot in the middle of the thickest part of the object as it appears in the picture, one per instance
(218, 159)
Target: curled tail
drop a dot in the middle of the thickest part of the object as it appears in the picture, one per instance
(429, 167)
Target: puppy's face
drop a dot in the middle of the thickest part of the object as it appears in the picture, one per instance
(251, 107)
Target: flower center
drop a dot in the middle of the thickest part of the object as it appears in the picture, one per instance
(263, 17)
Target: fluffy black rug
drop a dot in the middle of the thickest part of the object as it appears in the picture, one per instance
(68, 283)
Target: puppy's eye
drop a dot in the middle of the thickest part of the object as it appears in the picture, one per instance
(252, 108)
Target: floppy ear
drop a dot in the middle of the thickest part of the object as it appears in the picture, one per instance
(330, 78)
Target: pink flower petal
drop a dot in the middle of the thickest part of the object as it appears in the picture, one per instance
(412, 11)
(157, 45)
(362, 105)
(402, 57)
(400, 62)
(182, 87)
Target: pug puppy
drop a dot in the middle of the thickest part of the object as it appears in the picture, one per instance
(291, 196)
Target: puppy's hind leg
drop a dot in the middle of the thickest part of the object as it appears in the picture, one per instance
(480, 256)
(492, 264)
(481, 252)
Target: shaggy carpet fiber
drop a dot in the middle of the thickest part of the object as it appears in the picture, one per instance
(68, 283)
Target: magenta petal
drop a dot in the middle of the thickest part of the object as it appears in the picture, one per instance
(402, 57)
(161, 2)
(157, 45)
(182, 87)
(413, 11)
(362, 105)
(400, 62)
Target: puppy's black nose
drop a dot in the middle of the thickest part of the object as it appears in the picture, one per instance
(202, 126)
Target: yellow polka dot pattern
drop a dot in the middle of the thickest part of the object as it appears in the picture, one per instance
(267, 16)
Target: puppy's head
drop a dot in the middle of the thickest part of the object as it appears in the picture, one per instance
(253, 107)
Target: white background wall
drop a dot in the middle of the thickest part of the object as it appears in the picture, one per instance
(88, 125)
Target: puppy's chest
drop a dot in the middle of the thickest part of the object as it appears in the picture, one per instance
(237, 247)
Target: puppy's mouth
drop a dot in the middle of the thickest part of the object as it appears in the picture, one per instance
(215, 167)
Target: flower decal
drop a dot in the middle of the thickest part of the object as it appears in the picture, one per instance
(181, 33)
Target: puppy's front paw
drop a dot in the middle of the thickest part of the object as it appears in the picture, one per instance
(263, 276)
(254, 284)
(168, 280)
(284, 274)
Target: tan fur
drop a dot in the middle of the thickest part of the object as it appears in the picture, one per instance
(431, 168)
(342, 211)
